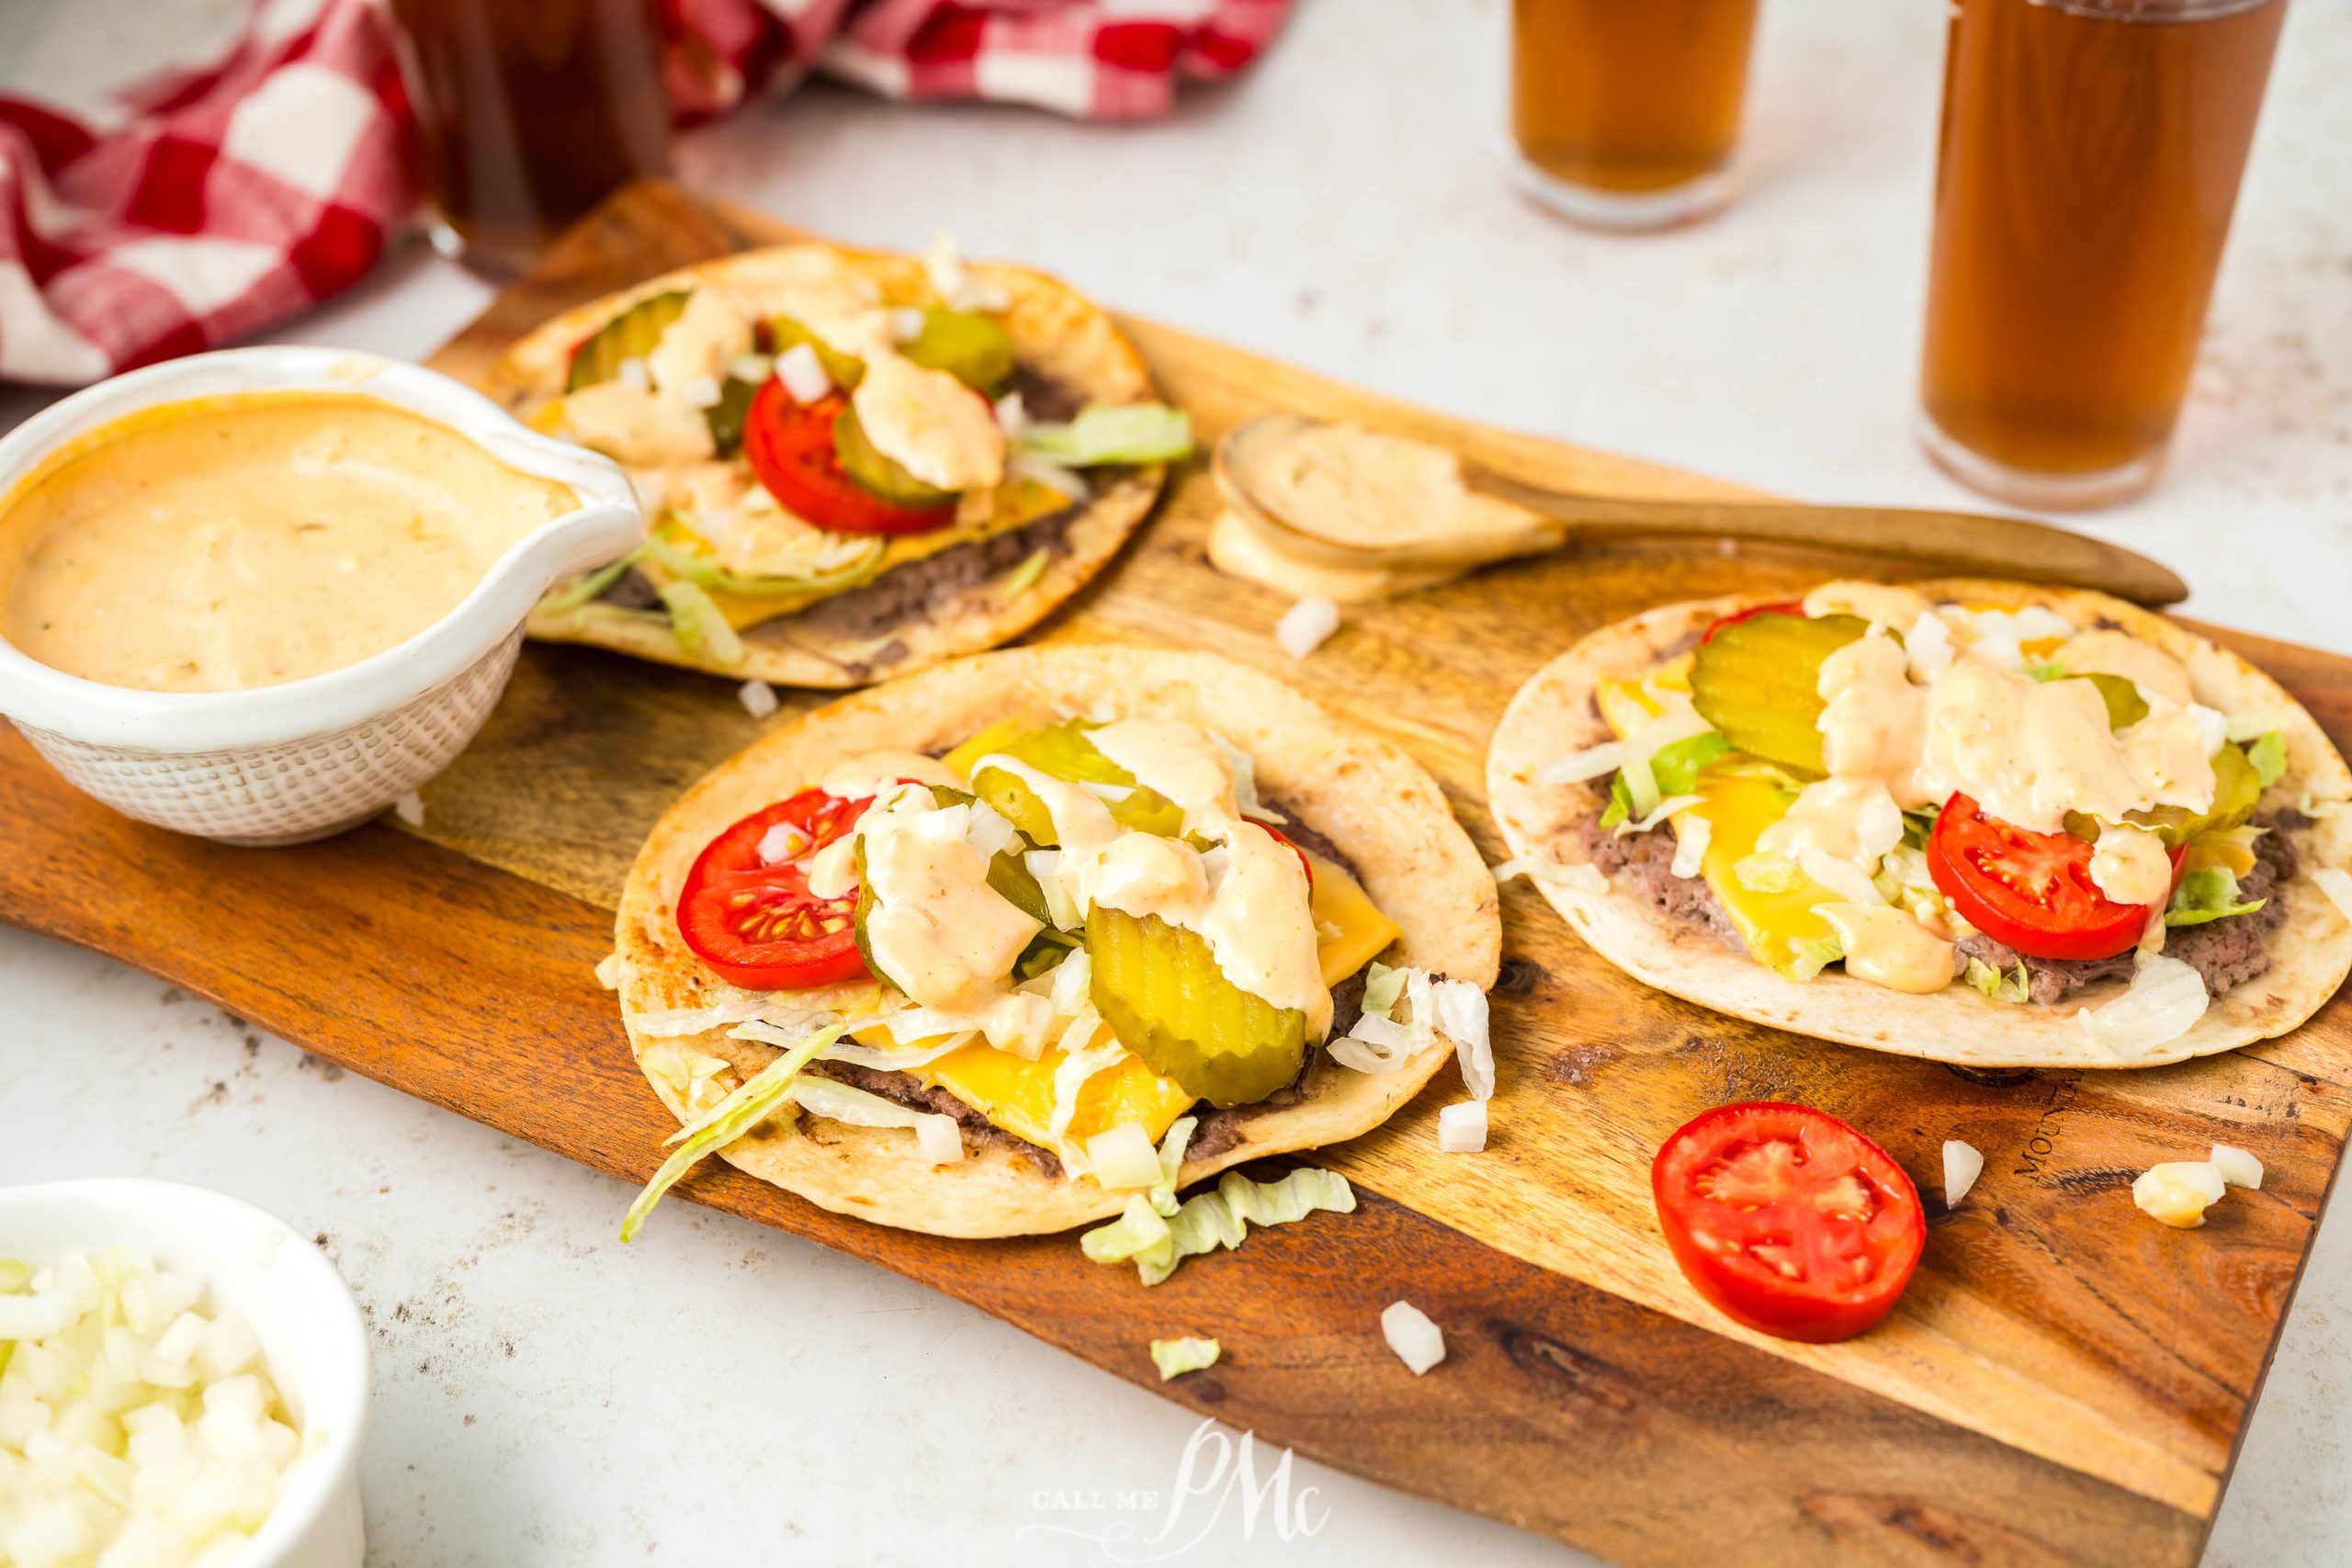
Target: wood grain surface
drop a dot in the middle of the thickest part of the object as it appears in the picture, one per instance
(2065, 1381)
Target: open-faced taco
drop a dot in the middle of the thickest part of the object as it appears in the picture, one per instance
(992, 949)
(855, 463)
(1981, 822)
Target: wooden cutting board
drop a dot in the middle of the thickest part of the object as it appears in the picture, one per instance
(2065, 1381)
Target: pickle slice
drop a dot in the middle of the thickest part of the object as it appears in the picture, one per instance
(2125, 706)
(845, 369)
(632, 334)
(1759, 682)
(1062, 751)
(2237, 790)
(726, 417)
(1159, 989)
(885, 476)
(973, 348)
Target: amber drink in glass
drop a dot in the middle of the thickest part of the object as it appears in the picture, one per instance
(2090, 157)
(1626, 112)
(529, 113)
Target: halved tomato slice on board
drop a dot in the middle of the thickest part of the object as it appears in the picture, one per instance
(2031, 891)
(1788, 1220)
(793, 452)
(752, 918)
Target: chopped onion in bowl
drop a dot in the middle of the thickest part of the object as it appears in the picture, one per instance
(1963, 1165)
(1305, 625)
(1577, 767)
(135, 1427)
(2166, 999)
(1462, 1129)
(2238, 1166)
(1417, 1342)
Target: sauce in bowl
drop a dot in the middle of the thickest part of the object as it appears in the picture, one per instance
(225, 543)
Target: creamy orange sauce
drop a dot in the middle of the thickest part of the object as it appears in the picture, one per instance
(242, 541)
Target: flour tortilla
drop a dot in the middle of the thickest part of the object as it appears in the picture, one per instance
(1056, 332)
(1554, 714)
(1372, 800)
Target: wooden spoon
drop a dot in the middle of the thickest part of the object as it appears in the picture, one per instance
(1341, 496)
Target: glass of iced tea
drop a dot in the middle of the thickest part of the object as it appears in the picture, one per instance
(2091, 150)
(1626, 112)
(529, 113)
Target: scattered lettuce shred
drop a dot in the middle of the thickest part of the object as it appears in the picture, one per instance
(1112, 432)
(1024, 576)
(1674, 769)
(1809, 956)
(751, 1103)
(2206, 893)
(586, 587)
(1174, 1358)
(1382, 987)
(1171, 1165)
(698, 625)
(2015, 986)
(1208, 1221)
(2268, 755)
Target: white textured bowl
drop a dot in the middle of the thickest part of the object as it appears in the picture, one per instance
(280, 764)
(312, 1336)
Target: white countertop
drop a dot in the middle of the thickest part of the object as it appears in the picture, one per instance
(545, 1397)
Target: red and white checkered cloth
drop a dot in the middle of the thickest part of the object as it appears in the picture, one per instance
(209, 202)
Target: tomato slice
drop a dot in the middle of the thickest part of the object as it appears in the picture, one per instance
(2031, 891)
(790, 447)
(1788, 1220)
(1785, 608)
(753, 921)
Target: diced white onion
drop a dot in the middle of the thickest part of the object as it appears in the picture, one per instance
(1690, 836)
(781, 842)
(2164, 1002)
(1061, 908)
(759, 698)
(137, 1427)
(1374, 1045)
(1878, 826)
(1592, 763)
(1124, 1157)
(1462, 1014)
(2238, 1166)
(2336, 883)
(752, 367)
(1071, 979)
(1963, 1165)
(803, 374)
(1582, 877)
(1927, 646)
(1417, 1342)
(939, 1140)
(632, 373)
(1462, 1129)
(2177, 1193)
(987, 831)
(1305, 625)
(906, 323)
(409, 808)
(699, 391)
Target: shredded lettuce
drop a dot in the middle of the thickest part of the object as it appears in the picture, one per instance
(2016, 985)
(1172, 1164)
(706, 573)
(1810, 955)
(696, 620)
(2209, 893)
(1112, 432)
(1672, 770)
(586, 587)
(1024, 576)
(1382, 987)
(1174, 1358)
(2268, 756)
(745, 1109)
(1209, 1221)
